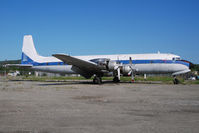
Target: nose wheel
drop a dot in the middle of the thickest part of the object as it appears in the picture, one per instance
(175, 80)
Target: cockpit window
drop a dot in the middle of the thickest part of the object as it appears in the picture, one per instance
(176, 58)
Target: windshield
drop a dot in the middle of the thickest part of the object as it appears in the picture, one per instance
(176, 58)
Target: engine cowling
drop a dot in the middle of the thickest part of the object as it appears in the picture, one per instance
(101, 62)
(111, 65)
(126, 69)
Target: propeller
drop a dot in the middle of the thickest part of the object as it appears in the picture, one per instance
(131, 72)
(118, 73)
(118, 67)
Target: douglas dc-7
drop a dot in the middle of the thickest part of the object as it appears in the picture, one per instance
(103, 65)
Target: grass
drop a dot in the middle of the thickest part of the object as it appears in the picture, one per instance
(192, 82)
(45, 78)
(161, 79)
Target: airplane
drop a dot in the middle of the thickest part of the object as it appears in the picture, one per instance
(102, 65)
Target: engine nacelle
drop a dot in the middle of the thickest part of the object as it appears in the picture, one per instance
(126, 69)
(101, 62)
(112, 65)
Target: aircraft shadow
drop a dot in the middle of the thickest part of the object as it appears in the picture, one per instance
(78, 82)
(90, 82)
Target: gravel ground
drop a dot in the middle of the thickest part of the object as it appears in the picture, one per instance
(81, 107)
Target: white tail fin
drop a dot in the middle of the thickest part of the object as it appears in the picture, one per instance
(28, 47)
(30, 55)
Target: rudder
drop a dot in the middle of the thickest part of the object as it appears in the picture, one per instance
(29, 53)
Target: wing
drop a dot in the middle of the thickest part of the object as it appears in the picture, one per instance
(181, 72)
(85, 68)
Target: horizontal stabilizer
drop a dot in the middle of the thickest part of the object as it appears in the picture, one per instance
(181, 72)
(19, 65)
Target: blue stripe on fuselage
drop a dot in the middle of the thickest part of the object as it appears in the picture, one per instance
(155, 62)
(27, 60)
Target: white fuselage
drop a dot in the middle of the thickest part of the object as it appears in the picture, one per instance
(141, 63)
(144, 63)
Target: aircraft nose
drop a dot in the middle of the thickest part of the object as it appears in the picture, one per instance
(191, 65)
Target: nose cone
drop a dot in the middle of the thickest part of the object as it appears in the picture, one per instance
(191, 65)
(183, 68)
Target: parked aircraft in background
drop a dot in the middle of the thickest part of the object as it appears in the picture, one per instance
(102, 65)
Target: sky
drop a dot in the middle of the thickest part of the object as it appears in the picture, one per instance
(90, 27)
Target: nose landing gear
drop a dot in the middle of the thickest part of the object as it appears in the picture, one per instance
(175, 80)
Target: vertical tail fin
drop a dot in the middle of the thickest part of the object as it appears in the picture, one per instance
(29, 53)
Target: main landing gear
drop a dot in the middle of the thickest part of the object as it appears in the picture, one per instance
(116, 80)
(97, 80)
(116, 74)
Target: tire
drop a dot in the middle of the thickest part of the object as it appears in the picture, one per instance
(175, 81)
(97, 80)
(116, 80)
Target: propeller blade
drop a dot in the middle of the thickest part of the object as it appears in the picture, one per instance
(118, 73)
(132, 77)
(129, 73)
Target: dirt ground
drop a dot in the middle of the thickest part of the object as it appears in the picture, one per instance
(81, 107)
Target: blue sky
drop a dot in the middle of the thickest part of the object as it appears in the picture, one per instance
(86, 27)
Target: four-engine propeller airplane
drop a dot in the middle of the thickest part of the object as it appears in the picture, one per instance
(102, 65)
